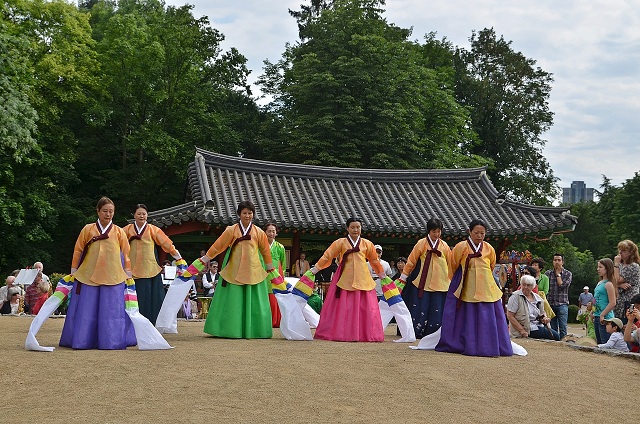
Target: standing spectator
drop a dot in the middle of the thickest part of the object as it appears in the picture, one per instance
(542, 280)
(626, 276)
(394, 270)
(605, 297)
(143, 239)
(400, 264)
(40, 267)
(616, 339)
(210, 279)
(301, 265)
(385, 267)
(473, 322)
(558, 296)
(584, 298)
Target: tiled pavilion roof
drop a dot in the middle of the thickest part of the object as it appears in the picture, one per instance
(391, 202)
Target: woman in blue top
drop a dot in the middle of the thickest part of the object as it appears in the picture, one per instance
(605, 295)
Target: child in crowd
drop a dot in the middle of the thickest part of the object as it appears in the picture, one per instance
(586, 318)
(616, 339)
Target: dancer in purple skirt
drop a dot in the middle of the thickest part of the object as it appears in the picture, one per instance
(96, 318)
(474, 321)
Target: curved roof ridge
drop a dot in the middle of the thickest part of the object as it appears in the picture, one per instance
(328, 172)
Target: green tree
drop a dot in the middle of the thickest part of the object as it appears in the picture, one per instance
(167, 87)
(354, 93)
(626, 210)
(55, 58)
(508, 97)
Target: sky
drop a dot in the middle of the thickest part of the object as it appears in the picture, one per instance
(592, 48)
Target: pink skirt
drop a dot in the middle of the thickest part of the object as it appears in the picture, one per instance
(352, 317)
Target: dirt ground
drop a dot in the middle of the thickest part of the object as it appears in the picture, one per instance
(204, 379)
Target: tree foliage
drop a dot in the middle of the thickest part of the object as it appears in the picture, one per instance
(354, 92)
(508, 98)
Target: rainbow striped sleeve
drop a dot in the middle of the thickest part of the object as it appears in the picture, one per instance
(400, 284)
(390, 291)
(130, 295)
(194, 269)
(278, 284)
(304, 286)
(63, 288)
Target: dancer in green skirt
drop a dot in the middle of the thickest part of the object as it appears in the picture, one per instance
(240, 305)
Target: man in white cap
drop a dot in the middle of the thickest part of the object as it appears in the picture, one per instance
(584, 299)
(385, 266)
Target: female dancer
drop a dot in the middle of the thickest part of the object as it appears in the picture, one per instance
(143, 237)
(474, 322)
(350, 312)
(240, 306)
(96, 316)
(425, 296)
(278, 256)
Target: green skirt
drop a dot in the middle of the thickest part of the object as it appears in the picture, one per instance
(240, 312)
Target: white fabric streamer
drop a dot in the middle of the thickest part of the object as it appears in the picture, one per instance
(311, 316)
(48, 307)
(292, 324)
(403, 319)
(429, 343)
(167, 321)
(146, 334)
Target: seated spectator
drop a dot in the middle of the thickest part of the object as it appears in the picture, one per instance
(533, 271)
(12, 305)
(616, 339)
(325, 275)
(525, 312)
(32, 293)
(4, 290)
(210, 279)
(189, 308)
(631, 330)
(43, 295)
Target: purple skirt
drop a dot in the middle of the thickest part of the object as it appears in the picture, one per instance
(474, 329)
(96, 319)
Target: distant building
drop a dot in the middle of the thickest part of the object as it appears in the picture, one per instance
(578, 192)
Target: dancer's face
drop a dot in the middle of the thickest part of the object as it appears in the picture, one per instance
(477, 234)
(354, 230)
(246, 216)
